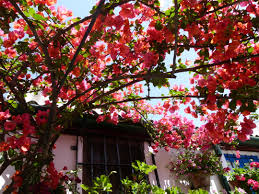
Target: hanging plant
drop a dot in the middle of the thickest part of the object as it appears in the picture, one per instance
(197, 166)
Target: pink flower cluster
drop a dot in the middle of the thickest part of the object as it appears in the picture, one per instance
(253, 183)
(254, 164)
(175, 131)
(12, 124)
(247, 129)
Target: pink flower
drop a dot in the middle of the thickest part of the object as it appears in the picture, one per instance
(237, 154)
(9, 125)
(78, 180)
(254, 164)
(4, 115)
(227, 169)
(127, 11)
(42, 117)
(155, 35)
(100, 118)
(253, 183)
(242, 178)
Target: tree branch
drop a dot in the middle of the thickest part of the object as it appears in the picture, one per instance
(219, 8)
(152, 75)
(215, 64)
(32, 28)
(151, 6)
(102, 83)
(114, 90)
(17, 94)
(105, 11)
(7, 162)
(175, 33)
(71, 65)
(152, 97)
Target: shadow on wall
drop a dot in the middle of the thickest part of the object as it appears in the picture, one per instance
(166, 178)
(5, 178)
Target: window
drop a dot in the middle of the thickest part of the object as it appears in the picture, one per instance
(231, 158)
(103, 154)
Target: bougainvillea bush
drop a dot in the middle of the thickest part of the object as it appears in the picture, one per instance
(246, 178)
(110, 60)
(191, 161)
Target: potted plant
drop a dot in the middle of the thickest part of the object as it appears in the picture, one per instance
(246, 178)
(198, 166)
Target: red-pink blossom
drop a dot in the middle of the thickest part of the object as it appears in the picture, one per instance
(9, 125)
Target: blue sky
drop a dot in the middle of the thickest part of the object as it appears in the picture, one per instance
(81, 8)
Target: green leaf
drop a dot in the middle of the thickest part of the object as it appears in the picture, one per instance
(159, 25)
(76, 19)
(157, 3)
(168, 12)
(250, 50)
(93, 9)
(25, 27)
(38, 17)
(232, 104)
(11, 153)
(77, 27)
(31, 11)
(41, 26)
(60, 25)
(84, 187)
(251, 106)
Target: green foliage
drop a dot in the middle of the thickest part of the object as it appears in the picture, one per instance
(143, 168)
(239, 177)
(32, 13)
(191, 161)
(139, 184)
(101, 184)
(200, 191)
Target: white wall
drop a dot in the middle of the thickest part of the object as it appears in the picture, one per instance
(5, 178)
(65, 156)
(168, 179)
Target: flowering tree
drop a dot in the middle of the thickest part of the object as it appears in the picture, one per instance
(110, 60)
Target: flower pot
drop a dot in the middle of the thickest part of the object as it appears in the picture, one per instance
(199, 180)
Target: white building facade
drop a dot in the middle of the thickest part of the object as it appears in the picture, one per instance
(75, 152)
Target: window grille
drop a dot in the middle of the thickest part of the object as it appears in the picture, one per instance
(103, 154)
